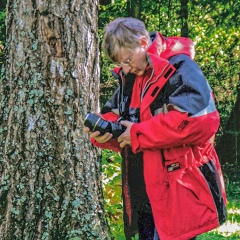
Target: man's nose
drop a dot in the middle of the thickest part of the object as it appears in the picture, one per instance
(126, 69)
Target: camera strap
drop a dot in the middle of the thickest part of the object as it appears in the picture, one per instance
(126, 95)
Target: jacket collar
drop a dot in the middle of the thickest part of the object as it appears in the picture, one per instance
(170, 46)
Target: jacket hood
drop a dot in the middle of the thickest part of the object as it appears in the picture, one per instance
(167, 47)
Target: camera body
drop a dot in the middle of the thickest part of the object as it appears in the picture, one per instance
(97, 123)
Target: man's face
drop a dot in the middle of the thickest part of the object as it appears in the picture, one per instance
(134, 61)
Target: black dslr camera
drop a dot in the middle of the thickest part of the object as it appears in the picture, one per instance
(96, 123)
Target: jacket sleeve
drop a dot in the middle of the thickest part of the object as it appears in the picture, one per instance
(172, 130)
(192, 119)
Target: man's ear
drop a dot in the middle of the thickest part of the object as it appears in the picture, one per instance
(144, 42)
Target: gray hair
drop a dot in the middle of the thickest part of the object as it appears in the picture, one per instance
(123, 33)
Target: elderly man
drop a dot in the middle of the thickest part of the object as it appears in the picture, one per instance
(172, 182)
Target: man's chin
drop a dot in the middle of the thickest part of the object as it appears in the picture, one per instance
(139, 72)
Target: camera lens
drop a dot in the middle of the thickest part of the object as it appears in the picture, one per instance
(117, 129)
(96, 123)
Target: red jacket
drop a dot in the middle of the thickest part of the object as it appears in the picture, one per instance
(182, 174)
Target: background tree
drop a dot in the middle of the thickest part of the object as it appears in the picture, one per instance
(184, 18)
(50, 187)
(134, 8)
(229, 145)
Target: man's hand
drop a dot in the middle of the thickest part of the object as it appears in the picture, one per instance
(125, 138)
(96, 135)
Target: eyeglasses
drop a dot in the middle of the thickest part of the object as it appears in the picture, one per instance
(127, 62)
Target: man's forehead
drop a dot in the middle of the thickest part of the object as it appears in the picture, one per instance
(122, 54)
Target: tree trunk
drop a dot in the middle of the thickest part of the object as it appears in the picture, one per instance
(105, 2)
(50, 174)
(134, 8)
(228, 147)
(184, 18)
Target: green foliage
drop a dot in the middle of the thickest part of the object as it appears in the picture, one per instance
(217, 236)
(232, 179)
(108, 83)
(112, 188)
(2, 24)
(217, 50)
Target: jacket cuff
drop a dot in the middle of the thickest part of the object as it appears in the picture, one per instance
(112, 144)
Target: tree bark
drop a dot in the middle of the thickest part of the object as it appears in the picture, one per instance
(50, 174)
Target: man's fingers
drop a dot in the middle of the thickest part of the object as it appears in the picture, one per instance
(94, 134)
(102, 139)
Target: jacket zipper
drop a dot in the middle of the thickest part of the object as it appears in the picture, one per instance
(148, 83)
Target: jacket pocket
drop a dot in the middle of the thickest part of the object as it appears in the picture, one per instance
(190, 204)
(178, 158)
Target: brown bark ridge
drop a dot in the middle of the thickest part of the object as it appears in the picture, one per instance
(50, 174)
